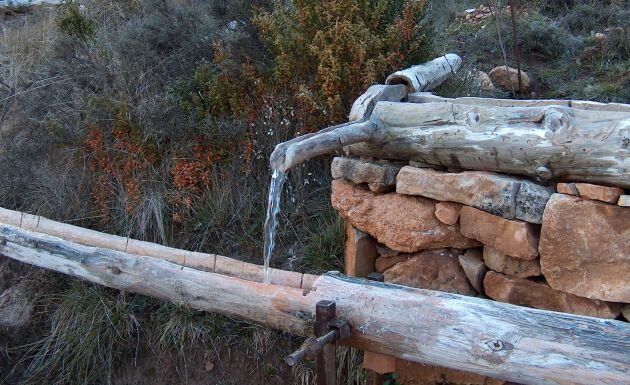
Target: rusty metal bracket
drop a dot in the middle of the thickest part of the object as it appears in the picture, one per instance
(328, 329)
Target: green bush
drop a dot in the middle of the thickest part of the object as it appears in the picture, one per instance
(74, 22)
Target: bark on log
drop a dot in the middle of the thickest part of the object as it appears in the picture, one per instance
(547, 142)
(427, 76)
(490, 338)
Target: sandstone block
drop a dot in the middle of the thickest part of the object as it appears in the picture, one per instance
(359, 252)
(413, 373)
(431, 269)
(380, 363)
(383, 263)
(626, 312)
(475, 270)
(448, 212)
(400, 222)
(380, 176)
(585, 248)
(513, 237)
(484, 82)
(385, 251)
(507, 78)
(525, 292)
(600, 193)
(495, 193)
(567, 188)
(516, 267)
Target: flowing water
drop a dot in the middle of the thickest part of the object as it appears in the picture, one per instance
(271, 220)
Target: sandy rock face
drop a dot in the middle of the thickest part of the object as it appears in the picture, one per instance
(400, 222)
(508, 79)
(539, 295)
(498, 194)
(512, 237)
(431, 269)
(447, 212)
(516, 267)
(383, 263)
(585, 248)
(474, 268)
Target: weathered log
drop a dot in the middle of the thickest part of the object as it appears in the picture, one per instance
(427, 76)
(195, 260)
(547, 142)
(364, 105)
(428, 97)
(490, 338)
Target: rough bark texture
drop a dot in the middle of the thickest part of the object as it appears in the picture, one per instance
(585, 248)
(400, 222)
(542, 142)
(466, 333)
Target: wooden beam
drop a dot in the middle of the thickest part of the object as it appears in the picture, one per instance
(495, 339)
(427, 76)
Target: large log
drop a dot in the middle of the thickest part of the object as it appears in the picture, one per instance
(547, 142)
(426, 76)
(490, 338)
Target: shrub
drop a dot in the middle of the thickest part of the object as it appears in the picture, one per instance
(73, 21)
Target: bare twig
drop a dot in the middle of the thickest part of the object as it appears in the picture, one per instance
(497, 22)
(517, 49)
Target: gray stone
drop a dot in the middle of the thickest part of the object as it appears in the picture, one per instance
(15, 308)
(379, 175)
(531, 200)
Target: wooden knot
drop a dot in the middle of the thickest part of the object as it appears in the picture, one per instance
(554, 119)
(544, 173)
(472, 117)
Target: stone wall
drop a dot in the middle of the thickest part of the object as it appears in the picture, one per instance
(564, 248)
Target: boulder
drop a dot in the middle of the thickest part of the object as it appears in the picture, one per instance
(515, 267)
(15, 308)
(383, 263)
(413, 373)
(507, 79)
(513, 237)
(400, 222)
(474, 268)
(539, 295)
(484, 82)
(433, 270)
(498, 194)
(585, 248)
(380, 176)
(448, 212)
(600, 193)
(567, 188)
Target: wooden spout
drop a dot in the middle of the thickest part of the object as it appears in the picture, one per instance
(295, 151)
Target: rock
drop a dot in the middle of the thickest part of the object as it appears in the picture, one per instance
(380, 176)
(380, 363)
(600, 193)
(400, 222)
(516, 267)
(385, 251)
(359, 252)
(626, 312)
(567, 188)
(383, 263)
(413, 373)
(599, 37)
(484, 81)
(525, 292)
(624, 201)
(495, 193)
(448, 212)
(508, 80)
(513, 237)
(433, 270)
(585, 248)
(15, 308)
(531, 200)
(475, 270)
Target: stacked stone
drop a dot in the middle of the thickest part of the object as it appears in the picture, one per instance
(486, 234)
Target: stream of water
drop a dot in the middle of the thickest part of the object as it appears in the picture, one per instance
(271, 220)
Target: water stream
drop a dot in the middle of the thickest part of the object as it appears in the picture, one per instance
(271, 220)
